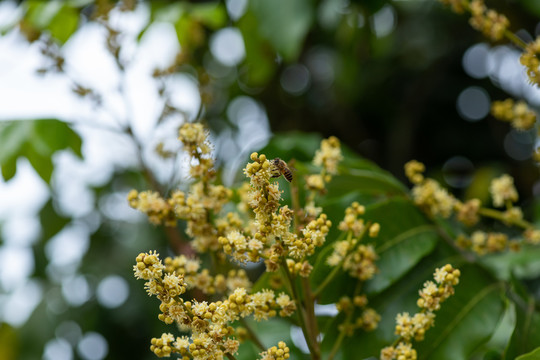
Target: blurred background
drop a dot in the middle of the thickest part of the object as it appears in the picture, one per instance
(394, 80)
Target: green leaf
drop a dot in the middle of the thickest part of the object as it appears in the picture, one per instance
(37, 140)
(533, 355)
(64, 23)
(57, 17)
(294, 144)
(40, 13)
(522, 264)
(284, 24)
(51, 221)
(372, 182)
(466, 320)
(526, 336)
(211, 15)
(259, 64)
(404, 239)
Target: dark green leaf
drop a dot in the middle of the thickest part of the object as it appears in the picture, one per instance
(51, 221)
(37, 140)
(297, 145)
(523, 264)
(42, 165)
(405, 238)
(465, 321)
(260, 63)
(284, 24)
(526, 336)
(533, 355)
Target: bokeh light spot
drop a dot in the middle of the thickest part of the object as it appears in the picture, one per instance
(70, 331)
(295, 79)
(227, 46)
(236, 8)
(93, 346)
(458, 171)
(475, 61)
(519, 144)
(473, 103)
(57, 349)
(76, 290)
(112, 291)
(20, 304)
(384, 21)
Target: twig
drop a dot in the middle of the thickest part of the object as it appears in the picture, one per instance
(301, 312)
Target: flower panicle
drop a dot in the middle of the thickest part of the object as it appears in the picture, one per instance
(489, 22)
(518, 114)
(414, 327)
(357, 259)
(279, 352)
(211, 336)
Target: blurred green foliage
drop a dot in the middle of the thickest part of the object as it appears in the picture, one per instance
(389, 98)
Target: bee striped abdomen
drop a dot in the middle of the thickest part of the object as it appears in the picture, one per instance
(287, 174)
(280, 168)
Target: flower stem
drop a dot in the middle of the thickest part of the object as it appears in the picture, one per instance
(311, 319)
(313, 348)
(336, 269)
(516, 40)
(328, 279)
(343, 331)
(498, 215)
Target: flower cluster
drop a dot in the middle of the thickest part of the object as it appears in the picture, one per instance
(194, 138)
(329, 155)
(468, 212)
(517, 113)
(351, 222)
(488, 21)
(199, 278)
(482, 242)
(158, 210)
(270, 236)
(495, 26)
(414, 170)
(357, 259)
(327, 159)
(203, 199)
(458, 6)
(531, 61)
(280, 352)
(368, 319)
(314, 235)
(432, 199)
(209, 323)
(414, 327)
(427, 193)
(503, 191)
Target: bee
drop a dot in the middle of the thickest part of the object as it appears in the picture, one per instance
(279, 167)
